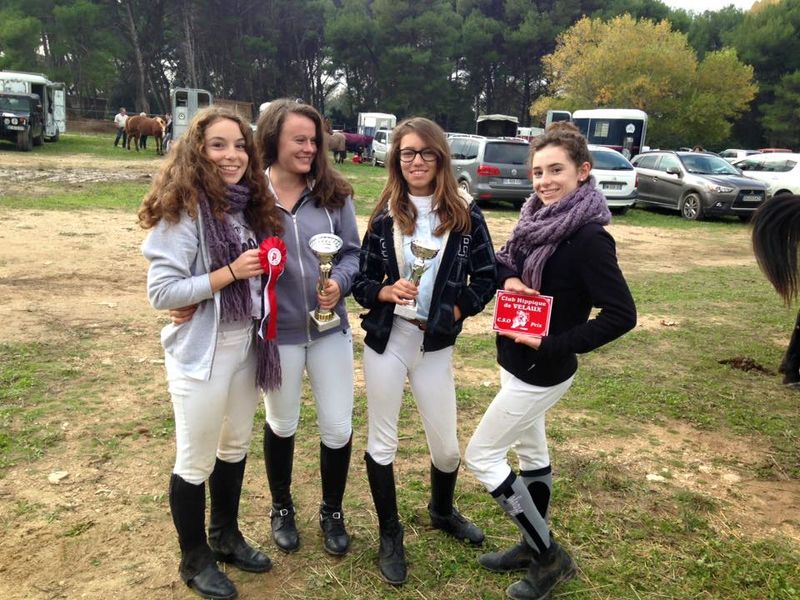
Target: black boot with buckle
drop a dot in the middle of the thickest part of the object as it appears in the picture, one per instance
(391, 554)
(444, 515)
(278, 459)
(334, 465)
(198, 569)
(226, 541)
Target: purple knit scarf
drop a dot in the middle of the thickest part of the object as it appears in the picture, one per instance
(224, 246)
(541, 228)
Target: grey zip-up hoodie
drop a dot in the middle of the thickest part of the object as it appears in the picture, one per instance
(178, 276)
(297, 287)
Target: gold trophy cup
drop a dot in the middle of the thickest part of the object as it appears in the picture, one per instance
(325, 246)
(421, 252)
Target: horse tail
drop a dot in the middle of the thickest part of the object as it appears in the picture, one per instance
(776, 235)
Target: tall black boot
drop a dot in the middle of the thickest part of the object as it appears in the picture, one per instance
(226, 541)
(443, 514)
(518, 558)
(391, 555)
(279, 459)
(198, 570)
(333, 467)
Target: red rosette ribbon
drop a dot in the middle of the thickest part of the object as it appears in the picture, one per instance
(272, 255)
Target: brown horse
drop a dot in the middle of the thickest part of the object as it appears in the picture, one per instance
(337, 143)
(138, 126)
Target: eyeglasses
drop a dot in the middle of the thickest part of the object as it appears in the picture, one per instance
(408, 155)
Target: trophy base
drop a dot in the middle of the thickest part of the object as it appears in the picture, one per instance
(406, 311)
(321, 326)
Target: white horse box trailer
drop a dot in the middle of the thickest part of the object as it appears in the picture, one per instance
(52, 95)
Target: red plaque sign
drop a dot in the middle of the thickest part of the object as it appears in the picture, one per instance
(521, 313)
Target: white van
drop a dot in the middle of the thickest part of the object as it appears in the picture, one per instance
(380, 146)
(51, 95)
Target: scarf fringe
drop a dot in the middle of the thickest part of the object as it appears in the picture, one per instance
(268, 368)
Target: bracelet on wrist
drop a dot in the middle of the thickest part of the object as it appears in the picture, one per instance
(232, 273)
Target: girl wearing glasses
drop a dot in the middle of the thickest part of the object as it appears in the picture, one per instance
(421, 203)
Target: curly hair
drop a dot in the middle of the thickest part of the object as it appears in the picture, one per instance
(564, 135)
(449, 206)
(330, 188)
(187, 171)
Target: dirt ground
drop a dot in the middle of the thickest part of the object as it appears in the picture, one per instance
(78, 524)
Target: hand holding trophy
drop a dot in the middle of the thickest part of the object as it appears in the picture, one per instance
(422, 252)
(325, 246)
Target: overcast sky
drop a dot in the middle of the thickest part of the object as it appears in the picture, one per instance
(700, 6)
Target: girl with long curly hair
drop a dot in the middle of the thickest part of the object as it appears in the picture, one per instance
(421, 204)
(207, 212)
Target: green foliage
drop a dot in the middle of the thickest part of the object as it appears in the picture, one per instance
(782, 117)
(655, 70)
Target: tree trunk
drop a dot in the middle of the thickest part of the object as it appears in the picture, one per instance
(141, 70)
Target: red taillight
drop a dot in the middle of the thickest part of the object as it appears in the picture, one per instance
(488, 171)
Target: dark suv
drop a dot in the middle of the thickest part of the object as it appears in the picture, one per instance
(21, 120)
(696, 184)
(491, 168)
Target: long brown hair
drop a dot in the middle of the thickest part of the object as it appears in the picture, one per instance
(451, 209)
(187, 171)
(330, 189)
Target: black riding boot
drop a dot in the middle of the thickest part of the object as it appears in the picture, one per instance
(518, 558)
(443, 514)
(198, 570)
(391, 555)
(551, 567)
(333, 467)
(279, 458)
(226, 541)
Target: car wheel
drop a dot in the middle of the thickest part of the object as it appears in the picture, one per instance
(464, 185)
(692, 207)
(745, 218)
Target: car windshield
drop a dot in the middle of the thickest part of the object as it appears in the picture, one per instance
(610, 161)
(705, 164)
(508, 154)
(15, 103)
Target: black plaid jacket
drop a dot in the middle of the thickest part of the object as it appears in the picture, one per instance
(467, 277)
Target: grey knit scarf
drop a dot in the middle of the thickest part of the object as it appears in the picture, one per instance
(224, 246)
(541, 228)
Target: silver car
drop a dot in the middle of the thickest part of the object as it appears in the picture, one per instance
(491, 168)
(697, 184)
(381, 142)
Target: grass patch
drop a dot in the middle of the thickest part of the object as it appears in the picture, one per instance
(119, 195)
(88, 144)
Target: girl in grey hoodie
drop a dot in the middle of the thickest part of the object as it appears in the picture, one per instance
(206, 213)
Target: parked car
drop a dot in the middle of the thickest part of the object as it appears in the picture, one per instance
(22, 120)
(380, 146)
(491, 168)
(615, 177)
(697, 184)
(779, 170)
(769, 150)
(734, 154)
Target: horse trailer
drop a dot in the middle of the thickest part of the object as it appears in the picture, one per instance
(185, 102)
(51, 95)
